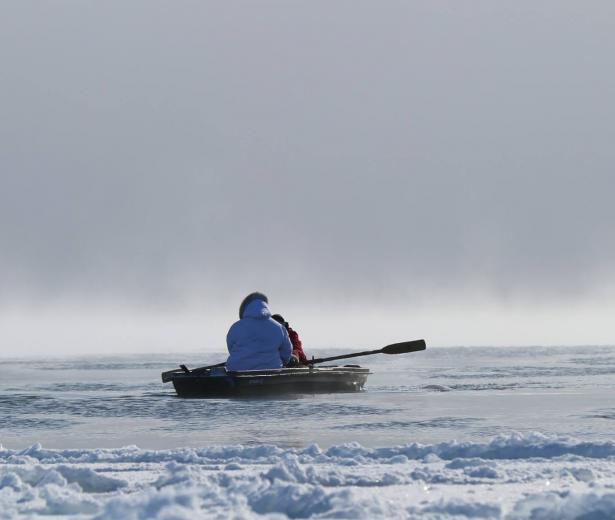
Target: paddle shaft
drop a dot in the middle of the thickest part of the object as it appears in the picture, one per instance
(344, 356)
(168, 375)
(200, 369)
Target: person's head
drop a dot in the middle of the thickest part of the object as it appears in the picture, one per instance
(280, 319)
(250, 298)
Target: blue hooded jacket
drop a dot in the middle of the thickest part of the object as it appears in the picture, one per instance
(257, 342)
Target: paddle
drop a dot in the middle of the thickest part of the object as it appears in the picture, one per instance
(395, 348)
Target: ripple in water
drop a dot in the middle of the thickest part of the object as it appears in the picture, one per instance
(436, 422)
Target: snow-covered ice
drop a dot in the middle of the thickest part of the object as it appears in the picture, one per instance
(510, 477)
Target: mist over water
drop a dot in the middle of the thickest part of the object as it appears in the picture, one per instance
(400, 159)
(186, 331)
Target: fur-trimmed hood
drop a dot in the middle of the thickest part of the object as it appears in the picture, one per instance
(257, 309)
(255, 296)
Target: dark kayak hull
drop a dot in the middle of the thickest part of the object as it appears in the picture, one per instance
(271, 382)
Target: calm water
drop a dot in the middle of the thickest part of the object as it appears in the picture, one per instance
(431, 396)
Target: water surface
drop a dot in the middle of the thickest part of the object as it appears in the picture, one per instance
(437, 395)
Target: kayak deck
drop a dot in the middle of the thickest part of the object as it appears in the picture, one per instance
(220, 383)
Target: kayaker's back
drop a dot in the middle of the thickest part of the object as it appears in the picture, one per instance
(256, 341)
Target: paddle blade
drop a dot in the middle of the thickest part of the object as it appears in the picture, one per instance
(405, 347)
(168, 375)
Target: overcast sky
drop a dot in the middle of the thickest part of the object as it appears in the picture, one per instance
(382, 169)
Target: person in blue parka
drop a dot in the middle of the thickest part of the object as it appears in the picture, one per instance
(257, 342)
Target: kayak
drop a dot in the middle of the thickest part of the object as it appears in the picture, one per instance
(217, 382)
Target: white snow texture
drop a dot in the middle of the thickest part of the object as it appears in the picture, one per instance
(511, 477)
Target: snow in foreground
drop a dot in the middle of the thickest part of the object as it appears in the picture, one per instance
(513, 477)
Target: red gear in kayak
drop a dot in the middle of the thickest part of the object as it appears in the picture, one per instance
(297, 347)
(294, 339)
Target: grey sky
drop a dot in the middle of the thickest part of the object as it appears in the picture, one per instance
(156, 152)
